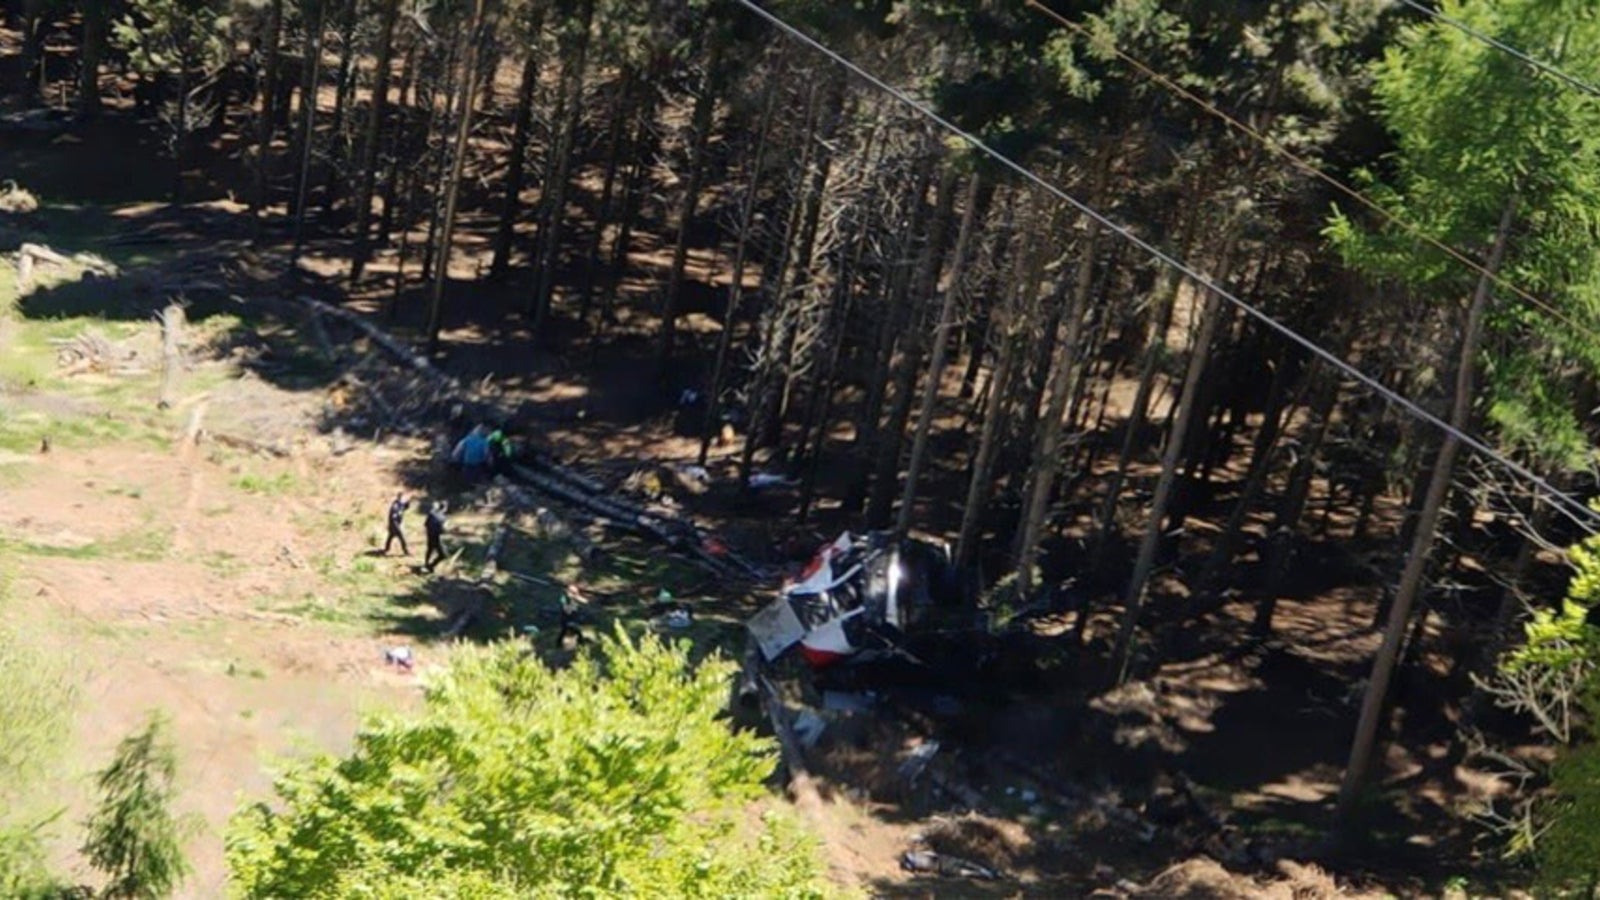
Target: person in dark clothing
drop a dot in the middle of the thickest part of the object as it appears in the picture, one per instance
(397, 515)
(434, 526)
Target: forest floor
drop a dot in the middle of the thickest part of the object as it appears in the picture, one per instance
(240, 590)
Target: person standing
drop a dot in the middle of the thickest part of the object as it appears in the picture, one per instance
(397, 515)
(434, 526)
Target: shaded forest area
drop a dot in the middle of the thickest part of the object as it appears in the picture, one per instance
(741, 256)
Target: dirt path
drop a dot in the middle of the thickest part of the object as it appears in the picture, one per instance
(161, 576)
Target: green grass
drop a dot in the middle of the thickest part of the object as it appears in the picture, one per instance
(144, 544)
(225, 564)
(22, 431)
(315, 608)
(275, 485)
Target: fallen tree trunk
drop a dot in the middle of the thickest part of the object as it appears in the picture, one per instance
(385, 340)
(321, 335)
(29, 256)
(801, 786)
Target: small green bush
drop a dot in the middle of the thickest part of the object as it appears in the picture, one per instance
(614, 778)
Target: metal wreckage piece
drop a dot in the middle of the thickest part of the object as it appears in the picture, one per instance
(859, 594)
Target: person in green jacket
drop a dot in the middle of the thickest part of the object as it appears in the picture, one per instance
(502, 450)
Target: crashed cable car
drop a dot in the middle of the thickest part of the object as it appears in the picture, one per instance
(858, 593)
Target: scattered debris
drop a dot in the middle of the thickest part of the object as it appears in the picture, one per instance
(762, 480)
(916, 762)
(399, 656)
(676, 619)
(847, 702)
(16, 200)
(808, 728)
(929, 862)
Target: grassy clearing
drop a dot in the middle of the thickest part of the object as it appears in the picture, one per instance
(22, 431)
(274, 485)
(147, 543)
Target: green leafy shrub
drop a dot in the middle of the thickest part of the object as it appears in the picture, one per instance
(612, 778)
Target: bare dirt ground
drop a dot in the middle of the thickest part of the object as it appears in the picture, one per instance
(200, 582)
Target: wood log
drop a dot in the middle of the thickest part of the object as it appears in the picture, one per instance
(191, 432)
(384, 340)
(171, 361)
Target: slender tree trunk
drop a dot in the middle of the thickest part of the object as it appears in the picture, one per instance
(978, 191)
(603, 215)
(413, 200)
(1154, 345)
(94, 42)
(1280, 552)
(891, 332)
(1133, 600)
(1507, 615)
(1372, 705)
(180, 137)
(1008, 331)
(488, 67)
(638, 151)
(822, 399)
(33, 26)
(469, 88)
(344, 86)
(308, 124)
(556, 182)
(892, 434)
(765, 395)
(1262, 457)
(705, 105)
(439, 157)
(1045, 463)
(370, 138)
(511, 204)
(730, 315)
(269, 96)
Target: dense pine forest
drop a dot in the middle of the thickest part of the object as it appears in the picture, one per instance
(1234, 350)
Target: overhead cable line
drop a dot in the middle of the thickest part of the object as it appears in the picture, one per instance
(1313, 169)
(1570, 506)
(1572, 81)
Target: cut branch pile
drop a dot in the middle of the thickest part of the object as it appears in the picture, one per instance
(91, 351)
